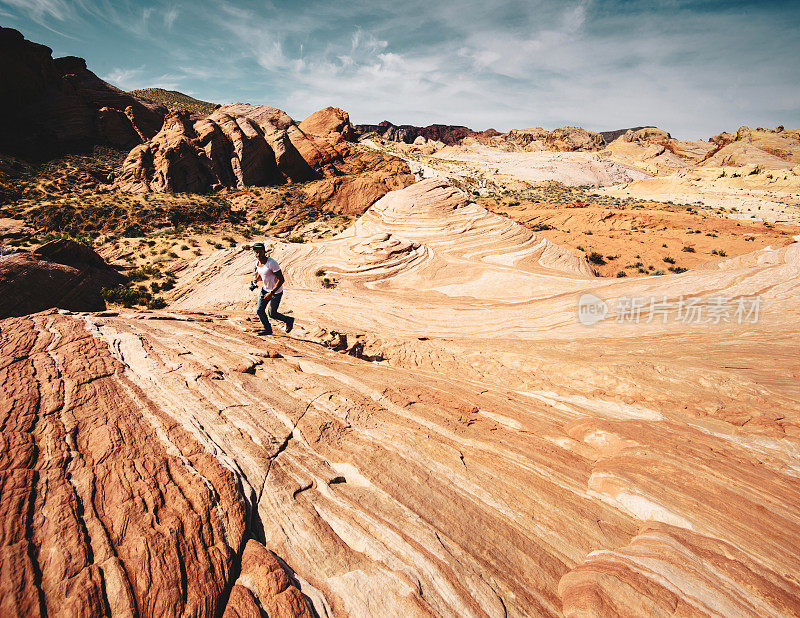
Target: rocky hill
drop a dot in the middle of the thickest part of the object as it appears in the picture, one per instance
(610, 136)
(54, 106)
(172, 99)
(406, 133)
(243, 145)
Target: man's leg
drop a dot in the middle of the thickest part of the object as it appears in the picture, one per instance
(273, 311)
(261, 311)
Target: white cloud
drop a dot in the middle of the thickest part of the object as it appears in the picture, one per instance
(170, 15)
(692, 68)
(39, 9)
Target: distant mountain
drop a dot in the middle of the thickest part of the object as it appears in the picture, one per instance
(452, 134)
(610, 136)
(446, 133)
(175, 100)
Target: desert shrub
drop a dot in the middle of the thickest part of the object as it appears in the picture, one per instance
(596, 258)
(621, 274)
(677, 269)
(296, 239)
(133, 231)
(719, 252)
(688, 249)
(657, 273)
(320, 272)
(669, 260)
(129, 297)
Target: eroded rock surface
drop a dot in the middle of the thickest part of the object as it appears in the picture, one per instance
(109, 505)
(497, 458)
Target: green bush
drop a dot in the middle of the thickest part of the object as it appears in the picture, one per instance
(621, 274)
(596, 258)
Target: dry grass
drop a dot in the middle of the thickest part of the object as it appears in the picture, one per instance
(631, 236)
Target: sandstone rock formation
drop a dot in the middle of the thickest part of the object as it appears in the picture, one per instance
(503, 459)
(769, 149)
(110, 507)
(51, 106)
(564, 139)
(656, 151)
(330, 122)
(610, 136)
(62, 273)
(243, 145)
(753, 172)
(505, 166)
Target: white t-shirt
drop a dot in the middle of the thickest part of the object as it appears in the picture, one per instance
(267, 273)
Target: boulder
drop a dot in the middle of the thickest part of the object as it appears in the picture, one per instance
(63, 274)
(331, 121)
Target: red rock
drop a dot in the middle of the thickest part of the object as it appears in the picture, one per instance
(247, 145)
(327, 122)
(242, 604)
(102, 512)
(51, 106)
(62, 274)
(264, 575)
(565, 139)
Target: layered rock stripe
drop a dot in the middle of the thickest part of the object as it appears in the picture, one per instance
(503, 461)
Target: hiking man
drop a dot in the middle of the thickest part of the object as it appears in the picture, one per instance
(268, 273)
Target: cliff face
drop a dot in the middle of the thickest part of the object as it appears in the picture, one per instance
(51, 106)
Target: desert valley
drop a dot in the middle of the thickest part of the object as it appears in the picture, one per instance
(541, 372)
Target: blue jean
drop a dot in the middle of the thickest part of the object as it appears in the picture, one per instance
(273, 303)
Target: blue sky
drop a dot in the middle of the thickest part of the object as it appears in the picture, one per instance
(692, 68)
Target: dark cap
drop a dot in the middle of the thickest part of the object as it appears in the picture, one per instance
(258, 246)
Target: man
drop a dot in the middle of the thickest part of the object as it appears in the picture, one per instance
(268, 272)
